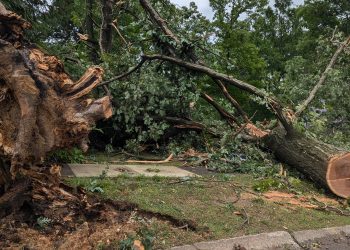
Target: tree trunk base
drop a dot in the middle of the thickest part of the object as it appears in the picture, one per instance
(324, 164)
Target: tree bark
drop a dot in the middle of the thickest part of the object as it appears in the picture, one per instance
(93, 50)
(5, 177)
(106, 34)
(324, 164)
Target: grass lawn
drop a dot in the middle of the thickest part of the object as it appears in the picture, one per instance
(223, 206)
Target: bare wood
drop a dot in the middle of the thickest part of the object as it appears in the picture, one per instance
(85, 84)
(323, 78)
(41, 108)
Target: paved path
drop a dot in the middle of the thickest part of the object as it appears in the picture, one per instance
(112, 170)
(336, 238)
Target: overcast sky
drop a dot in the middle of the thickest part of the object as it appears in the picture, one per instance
(203, 5)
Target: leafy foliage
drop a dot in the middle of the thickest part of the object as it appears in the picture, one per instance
(279, 47)
(73, 155)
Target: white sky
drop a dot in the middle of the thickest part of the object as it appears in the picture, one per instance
(203, 5)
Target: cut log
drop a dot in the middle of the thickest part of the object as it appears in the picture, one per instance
(41, 108)
(326, 165)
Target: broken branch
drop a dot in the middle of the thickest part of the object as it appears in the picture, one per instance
(124, 75)
(323, 78)
(153, 162)
(275, 105)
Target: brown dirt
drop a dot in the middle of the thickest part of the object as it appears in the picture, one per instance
(114, 223)
(78, 220)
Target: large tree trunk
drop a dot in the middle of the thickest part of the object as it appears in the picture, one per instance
(41, 108)
(325, 164)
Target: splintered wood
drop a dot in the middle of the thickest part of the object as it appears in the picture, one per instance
(41, 107)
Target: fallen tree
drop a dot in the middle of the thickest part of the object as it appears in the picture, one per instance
(326, 165)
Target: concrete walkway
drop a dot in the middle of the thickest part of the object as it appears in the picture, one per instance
(112, 170)
(336, 238)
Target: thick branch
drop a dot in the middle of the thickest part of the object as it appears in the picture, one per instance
(232, 100)
(157, 19)
(323, 78)
(224, 114)
(276, 107)
(106, 34)
(181, 123)
(210, 72)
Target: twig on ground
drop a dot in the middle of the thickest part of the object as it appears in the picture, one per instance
(246, 216)
(170, 157)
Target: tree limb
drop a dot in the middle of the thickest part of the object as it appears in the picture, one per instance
(323, 78)
(182, 123)
(234, 103)
(223, 113)
(157, 19)
(210, 72)
(137, 67)
(275, 105)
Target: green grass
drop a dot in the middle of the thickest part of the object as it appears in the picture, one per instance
(212, 203)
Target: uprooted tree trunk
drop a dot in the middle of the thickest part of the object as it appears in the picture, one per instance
(41, 109)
